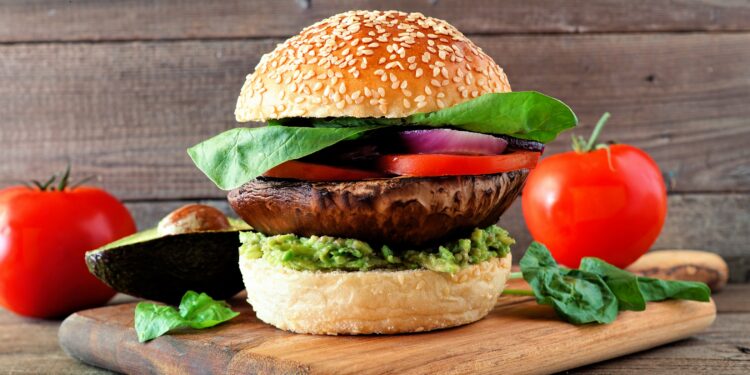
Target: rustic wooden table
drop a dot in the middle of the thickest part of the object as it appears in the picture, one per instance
(29, 346)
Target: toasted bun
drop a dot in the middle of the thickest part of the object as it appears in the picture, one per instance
(382, 301)
(369, 64)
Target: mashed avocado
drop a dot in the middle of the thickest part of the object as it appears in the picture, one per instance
(324, 253)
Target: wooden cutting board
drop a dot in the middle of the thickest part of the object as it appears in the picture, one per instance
(517, 337)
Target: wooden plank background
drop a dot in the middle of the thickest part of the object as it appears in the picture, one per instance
(122, 88)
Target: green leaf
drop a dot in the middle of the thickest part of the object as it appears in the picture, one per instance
(525, 114)
(659, 290)
(577, 296)
(202, 311)
(236, 156)
(196, 311)
(622, 283)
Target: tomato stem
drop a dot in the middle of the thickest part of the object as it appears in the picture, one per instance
(63, 184)
(581, 145)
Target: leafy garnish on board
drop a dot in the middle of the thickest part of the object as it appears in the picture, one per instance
(196, 311)
(596, 291)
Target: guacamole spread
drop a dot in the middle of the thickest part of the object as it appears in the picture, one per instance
(324, 253)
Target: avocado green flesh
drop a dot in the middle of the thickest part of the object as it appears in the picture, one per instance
(324, 253)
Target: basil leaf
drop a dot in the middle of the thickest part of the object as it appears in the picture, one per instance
(202, 311)
(622, 283)
(525, 114)
(195, 311)
(659, 290)
(577, 296)
(236, 156)
(152, 321)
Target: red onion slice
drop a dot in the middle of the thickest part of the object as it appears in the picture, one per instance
(449, 141)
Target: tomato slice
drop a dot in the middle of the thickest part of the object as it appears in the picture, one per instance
(423, 165)
(299, 170)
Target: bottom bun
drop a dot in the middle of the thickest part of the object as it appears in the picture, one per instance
(379, 301)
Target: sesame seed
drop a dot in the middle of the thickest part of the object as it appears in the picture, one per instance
(407, 104)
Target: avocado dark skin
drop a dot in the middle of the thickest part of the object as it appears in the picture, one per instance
(164, 268)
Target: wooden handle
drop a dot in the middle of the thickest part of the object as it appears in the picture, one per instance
(690, 265)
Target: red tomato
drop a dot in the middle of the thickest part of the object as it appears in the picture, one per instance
(456, 165)
(299, 170)
(578, 206)
(43, 238)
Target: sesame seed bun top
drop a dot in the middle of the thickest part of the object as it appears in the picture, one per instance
(369, 64)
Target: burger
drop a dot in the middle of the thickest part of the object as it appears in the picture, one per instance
(392, 146)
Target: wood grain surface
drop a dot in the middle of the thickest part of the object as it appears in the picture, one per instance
(519, 336)
(29, 346)
(51, 20)
(127, 112)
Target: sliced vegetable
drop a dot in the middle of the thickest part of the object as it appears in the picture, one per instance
(298, 170)
(196, 311)
(236, 156)
(424, 165)
(523, 144)
(449, 141)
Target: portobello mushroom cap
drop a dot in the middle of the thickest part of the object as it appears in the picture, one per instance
(400, 211)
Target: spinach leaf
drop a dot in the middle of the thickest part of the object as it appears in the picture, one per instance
(236, 156)
(622, 283)
(195, 311)
(524, 114)
(578, 296)
(659, 290)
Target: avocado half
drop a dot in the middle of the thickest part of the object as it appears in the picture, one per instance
(164, 268)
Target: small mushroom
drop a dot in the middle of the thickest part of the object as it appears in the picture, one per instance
(193, 218)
